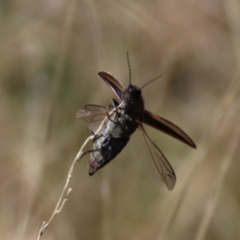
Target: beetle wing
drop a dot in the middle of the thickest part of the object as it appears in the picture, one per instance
(113, 83)
(93, 115)
(167, 127)
(153, 162)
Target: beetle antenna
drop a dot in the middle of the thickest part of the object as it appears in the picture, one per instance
(129, 68)
(151, 81)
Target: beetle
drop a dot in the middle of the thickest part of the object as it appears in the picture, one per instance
(128, 115)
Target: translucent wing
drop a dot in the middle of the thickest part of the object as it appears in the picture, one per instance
(93, 115)
(113, 83)
(163, 125)
(153, 162)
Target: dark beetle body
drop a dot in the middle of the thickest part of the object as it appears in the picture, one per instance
(116, 133)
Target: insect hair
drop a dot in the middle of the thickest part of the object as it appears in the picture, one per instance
(151, 81)
(129, 69)
(130, 74)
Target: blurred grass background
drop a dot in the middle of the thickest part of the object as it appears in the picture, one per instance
(50, 53)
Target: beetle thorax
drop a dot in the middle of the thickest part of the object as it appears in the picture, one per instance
(134, 103)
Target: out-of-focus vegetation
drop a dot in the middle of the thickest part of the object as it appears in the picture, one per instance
(50, 53)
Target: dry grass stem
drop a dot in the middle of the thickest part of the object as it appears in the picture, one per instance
(66, 190)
